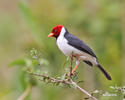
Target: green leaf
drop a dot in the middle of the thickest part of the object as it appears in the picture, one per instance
(19, 62)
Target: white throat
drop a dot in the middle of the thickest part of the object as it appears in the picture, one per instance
(62, 32)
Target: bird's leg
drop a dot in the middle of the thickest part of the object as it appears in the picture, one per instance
(77, 64)
(72, 72)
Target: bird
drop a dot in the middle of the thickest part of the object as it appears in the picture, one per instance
(72, 46)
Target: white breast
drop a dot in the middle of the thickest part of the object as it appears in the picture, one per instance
(63, 45)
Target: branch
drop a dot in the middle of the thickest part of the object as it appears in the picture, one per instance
(83, 91)
(25, 93)
(66, 82)
(51, 79)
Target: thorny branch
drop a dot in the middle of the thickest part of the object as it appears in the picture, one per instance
(65, 81)
(51, 79)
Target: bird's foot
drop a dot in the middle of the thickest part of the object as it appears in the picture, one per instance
(71, 74)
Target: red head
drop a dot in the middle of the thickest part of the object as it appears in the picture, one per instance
(56, 31)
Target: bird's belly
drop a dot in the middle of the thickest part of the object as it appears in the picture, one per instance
(67, 49)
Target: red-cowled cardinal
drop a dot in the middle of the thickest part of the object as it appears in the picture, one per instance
(70, 44)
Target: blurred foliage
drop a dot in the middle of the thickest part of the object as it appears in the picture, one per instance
(25, 24)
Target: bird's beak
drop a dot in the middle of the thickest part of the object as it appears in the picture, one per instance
(51, 34)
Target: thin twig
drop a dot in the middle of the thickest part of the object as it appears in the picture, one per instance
(71, 58)
(38, 59)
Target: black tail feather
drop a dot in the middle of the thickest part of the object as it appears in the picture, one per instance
(88, 62)
(104, 72)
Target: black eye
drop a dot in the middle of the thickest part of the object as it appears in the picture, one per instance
(55, 30)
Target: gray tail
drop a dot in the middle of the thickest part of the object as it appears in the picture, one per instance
(104, 72)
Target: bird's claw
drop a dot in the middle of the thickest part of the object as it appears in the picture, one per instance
(70, 74)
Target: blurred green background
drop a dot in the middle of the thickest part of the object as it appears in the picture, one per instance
(25, 24)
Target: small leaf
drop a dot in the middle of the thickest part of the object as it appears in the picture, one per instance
(19, 62)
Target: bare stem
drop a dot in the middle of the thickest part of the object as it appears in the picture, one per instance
(25, 93)
(71, 65)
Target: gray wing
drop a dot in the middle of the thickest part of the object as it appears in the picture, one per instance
(79, 44)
